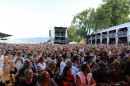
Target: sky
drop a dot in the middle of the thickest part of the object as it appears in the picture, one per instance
(33, 18)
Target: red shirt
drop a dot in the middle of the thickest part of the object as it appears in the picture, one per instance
(116, 77)
(66, 81)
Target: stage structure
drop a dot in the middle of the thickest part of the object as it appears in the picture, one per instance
(58, 35)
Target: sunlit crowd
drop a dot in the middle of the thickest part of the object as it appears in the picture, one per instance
(64, 65)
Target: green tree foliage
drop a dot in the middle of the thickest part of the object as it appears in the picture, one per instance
(112, 13)
(86, 23)
(72, 34)
(49, 40)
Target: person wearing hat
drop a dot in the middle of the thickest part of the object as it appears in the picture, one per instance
(99, 75)
(18, 60)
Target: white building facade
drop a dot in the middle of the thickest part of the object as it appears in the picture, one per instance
(119, 34)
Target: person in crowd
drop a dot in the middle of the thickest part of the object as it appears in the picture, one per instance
(74, 70)
(126, 58)
(104, 59)
(116, 75)
(49, 57)
(75, 61)
(1, 60)
(62, 64)
(98, 59)
(41, 65)
(122, 53)
(72, 55)
(88, 60)
(18, 60)
(45, 80)
(7, 79)
(13, 53)
(54, 73)
(93, 66)
(29, 56)
(39, 53)
(29, 80)
(27, 64)
(59, 60)
(84, 78)
(112, 57)
(13, 70)
(122, 66)
(34, 58)
(67, 79)
(126, 72)
(99, 75)
(11, 57)
(54, 58)
(6, 58)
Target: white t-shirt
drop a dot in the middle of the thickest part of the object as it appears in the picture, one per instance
(62, 65)
(83, 78)
(41, 67)
(18, 63)
(1, 61)
(94, 59)
(49, 58)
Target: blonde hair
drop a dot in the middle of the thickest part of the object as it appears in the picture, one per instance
(5, 65)
(126, 57)
(115, 63)
(50, 62)
(42, 76)
(26, 71)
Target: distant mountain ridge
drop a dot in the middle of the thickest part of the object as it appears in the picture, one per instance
(29, 40)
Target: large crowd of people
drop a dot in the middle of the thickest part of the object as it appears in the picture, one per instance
(64, 65)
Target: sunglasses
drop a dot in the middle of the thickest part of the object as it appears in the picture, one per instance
(30, 72)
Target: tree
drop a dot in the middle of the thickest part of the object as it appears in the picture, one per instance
(49, 40)
(86, 23)
(112, 13)
(72, 34)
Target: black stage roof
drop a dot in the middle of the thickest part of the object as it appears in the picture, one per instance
(2, 35)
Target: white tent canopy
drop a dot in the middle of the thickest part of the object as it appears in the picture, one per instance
(73, 42)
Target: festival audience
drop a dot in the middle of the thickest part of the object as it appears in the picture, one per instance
(48, 65)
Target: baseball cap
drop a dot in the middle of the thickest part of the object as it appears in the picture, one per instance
(103, 58)
(101, 63)
(91, 55)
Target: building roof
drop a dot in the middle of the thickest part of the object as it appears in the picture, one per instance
(2, 35)
(114, 27)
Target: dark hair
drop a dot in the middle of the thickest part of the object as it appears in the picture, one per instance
(64, 56)
(127, 66)
(75, 58)
(92, 64)
(86, 58)
(66, 68)
(40, 58)
(72, 55)
(53, 55)
(123, 65)
(83, 66)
